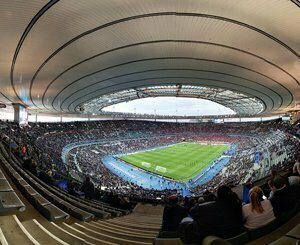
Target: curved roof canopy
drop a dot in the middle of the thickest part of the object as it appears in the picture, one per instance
(240, 103)
(59, 56)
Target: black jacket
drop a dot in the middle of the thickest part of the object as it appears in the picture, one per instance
(173, 214)
(215, 218)
(88, 189)
(285, 199)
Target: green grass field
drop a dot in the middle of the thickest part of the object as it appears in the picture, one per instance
(182, 161)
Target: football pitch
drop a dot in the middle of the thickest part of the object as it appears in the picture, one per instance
(181, 161)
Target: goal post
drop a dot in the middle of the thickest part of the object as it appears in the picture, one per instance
(161, 169)
(146, 164)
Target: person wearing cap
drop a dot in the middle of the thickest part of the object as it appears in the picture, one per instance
(173, 214)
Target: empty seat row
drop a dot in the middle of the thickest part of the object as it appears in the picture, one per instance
(64, 200)
(115, 212)
(81, 212)
(9, 200)
(124, 211)
(98, 210)
(49, 210)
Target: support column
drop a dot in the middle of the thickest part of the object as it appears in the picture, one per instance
(20, 114)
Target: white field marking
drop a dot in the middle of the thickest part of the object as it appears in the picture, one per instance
(71, 234)
(49, 233)
(2, 238)
(30, 237)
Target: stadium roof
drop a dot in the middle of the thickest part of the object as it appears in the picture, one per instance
(60, 56)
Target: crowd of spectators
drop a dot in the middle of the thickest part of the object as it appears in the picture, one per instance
(225, 215)
(41, 146)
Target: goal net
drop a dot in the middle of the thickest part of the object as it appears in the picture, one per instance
(161, 169)
(146, 164)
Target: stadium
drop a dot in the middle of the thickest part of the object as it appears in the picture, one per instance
(150, 122)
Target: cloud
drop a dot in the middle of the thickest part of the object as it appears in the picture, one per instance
(171, 106)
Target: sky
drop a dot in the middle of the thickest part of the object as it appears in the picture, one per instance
(171, 106)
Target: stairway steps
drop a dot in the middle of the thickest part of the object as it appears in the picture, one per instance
(112, 239)
(88, 238)
(42, 235)
(14, 232)
(124, 229)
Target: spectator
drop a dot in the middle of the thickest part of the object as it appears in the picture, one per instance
(285, 197)
(222, 218)
(294, 176)
(296, 167)
(294, 180)
(47, 177)
(33, 167)
(173, 214)
(88, 188)
(209, 196)
(259, 211)
(71, 188)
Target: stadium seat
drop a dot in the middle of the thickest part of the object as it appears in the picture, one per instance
(213, 240)
(295, 232)
(81, 214)
(29, 193)
(168, 234)
(256, 233)
(240, 239)
(10, 200)
(285, 241)
(40, 200)
(5, 186)
(51, 212)
(167, 241)
(20, 182)
(17, 176)
(2, 175)
(288, 215)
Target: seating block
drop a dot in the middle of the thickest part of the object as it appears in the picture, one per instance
(295, 232)
(254, 234)
(2, 175)
(10, 200)
(240, 239)
(5, 186)
(285, 241)
(40, 200)
(81, 214)
(167, 241)
(51, 212)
